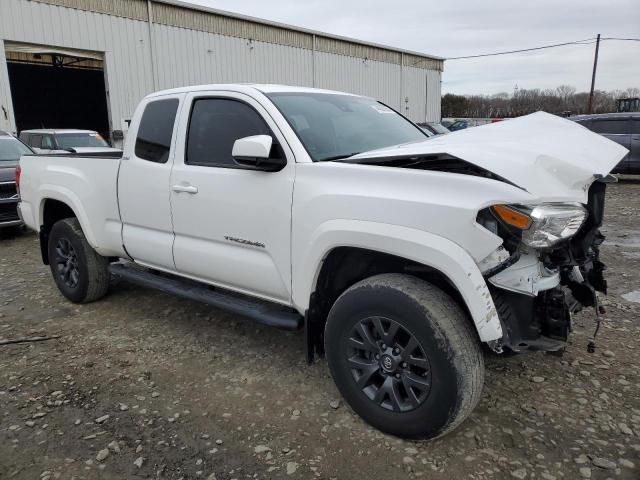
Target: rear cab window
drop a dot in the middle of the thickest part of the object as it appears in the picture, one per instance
(155, 132)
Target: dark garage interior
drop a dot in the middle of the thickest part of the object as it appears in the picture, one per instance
(56, 91)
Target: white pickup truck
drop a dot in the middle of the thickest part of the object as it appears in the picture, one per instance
(398, 254)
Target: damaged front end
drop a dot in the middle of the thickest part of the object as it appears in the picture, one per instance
(547, 269)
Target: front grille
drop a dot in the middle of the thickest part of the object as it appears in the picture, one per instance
(8, 190)
(9, 212)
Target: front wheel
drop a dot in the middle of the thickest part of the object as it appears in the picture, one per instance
(404, 356)
(79, 272)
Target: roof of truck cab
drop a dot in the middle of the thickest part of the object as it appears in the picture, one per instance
(246, 87)
(54, 131)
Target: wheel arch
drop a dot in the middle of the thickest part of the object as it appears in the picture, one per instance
(53, 209)
(338, 259)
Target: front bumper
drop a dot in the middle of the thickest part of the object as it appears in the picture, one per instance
(9, 216)
(536, 313)
(9, 198)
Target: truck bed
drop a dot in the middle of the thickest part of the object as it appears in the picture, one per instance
(87, 183)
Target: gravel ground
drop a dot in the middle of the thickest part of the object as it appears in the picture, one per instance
(141, 384)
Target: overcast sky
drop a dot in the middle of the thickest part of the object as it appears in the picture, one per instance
(467, 27)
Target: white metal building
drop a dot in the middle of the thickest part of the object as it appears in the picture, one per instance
(89, 62)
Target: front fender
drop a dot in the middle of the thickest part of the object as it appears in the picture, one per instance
(431, 250)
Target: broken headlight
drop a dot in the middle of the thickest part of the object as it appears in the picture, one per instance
(542, 226)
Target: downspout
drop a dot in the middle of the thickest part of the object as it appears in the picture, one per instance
(400, 109)
(151, 49)
(426, 95)
(313, 61)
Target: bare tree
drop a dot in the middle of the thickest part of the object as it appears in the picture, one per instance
(561, 100)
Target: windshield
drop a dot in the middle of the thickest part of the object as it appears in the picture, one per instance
(11, 149)
(71, 140)
(333, 126)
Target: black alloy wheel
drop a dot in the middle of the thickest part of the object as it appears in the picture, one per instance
(66, 261)
(388, 364)
(404, 355)
(80, 273)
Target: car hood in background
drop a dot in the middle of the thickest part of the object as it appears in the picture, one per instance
(548, 156)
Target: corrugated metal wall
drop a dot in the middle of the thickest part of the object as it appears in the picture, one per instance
(356, 75)
(189, 57)
(191, 47)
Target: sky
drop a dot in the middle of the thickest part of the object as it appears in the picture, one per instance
(468, 27)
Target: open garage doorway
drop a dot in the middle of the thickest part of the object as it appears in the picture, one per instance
(57, 88)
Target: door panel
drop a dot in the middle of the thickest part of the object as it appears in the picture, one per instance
(143, 186)
(235, 231)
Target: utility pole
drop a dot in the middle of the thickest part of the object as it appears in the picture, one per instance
(593, 76)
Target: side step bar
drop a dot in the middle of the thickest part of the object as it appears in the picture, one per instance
(260, 311)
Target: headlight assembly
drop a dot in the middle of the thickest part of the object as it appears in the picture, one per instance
(542, 226)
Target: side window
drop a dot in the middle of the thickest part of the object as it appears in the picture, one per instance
(214, 126)
(36, 141)
(611, 127)
(47, 142)
(156, 129)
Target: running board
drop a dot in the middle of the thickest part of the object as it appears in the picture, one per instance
(260, 311)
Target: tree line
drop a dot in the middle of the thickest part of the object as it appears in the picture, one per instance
(561, 100)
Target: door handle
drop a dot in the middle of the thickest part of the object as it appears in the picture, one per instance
(185, 188)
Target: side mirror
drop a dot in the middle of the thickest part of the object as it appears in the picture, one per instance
(255, 153)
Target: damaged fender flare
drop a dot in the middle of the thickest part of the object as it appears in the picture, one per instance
(416, 245)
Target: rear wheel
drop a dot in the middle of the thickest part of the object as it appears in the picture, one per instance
(79, 272)
(404, 356)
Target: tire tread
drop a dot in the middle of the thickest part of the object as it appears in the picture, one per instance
(97, 265)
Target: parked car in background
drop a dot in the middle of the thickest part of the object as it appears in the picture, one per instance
(11, 149)
(622, 128)
(65, 141)
(433, 128)
(458, 125)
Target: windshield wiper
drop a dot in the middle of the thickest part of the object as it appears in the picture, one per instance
(340, 157)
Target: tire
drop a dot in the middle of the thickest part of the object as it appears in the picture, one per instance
(81, 275)
(441, 382)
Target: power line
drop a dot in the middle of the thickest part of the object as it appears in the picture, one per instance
(586, 41)
(622, 39)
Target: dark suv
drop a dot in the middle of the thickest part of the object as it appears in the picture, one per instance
(622, 128)
(11, 149)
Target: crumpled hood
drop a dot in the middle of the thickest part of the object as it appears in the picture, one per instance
(550, 157)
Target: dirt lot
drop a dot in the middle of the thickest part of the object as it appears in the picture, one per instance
(141, 384)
